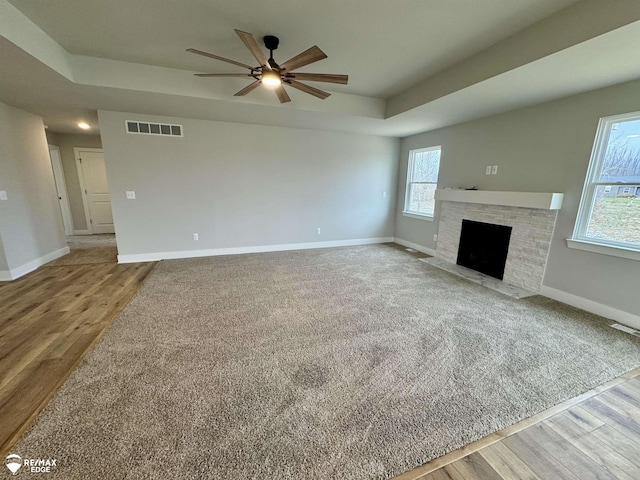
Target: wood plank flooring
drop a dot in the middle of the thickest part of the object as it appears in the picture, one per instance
(49, 320)
(593, 436)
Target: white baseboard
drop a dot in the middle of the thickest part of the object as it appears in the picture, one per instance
(152, 257)
(619, 316)
(415, 246)
(6, 275)
(83, 232)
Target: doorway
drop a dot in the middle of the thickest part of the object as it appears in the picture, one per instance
(61, 188)
(92, 174)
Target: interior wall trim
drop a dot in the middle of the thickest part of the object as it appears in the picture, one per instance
(7, 275)
(606, 311)
(415, 246)
(212, 252)
(619, 316)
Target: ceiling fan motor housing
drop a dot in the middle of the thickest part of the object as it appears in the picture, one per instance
(271, 42)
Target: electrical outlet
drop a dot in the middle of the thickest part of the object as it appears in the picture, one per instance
(488, 170)
(494, 170)
(318, 231)
(3, 195)
(435, 237)
(195, 236)
(131, 195)
(384, 194)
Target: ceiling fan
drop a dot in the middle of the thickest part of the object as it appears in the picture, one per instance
(273, 75)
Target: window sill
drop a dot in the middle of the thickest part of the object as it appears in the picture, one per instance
(419, 216)
(603, 249)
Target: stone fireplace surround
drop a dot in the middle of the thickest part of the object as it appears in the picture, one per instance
(532, 228)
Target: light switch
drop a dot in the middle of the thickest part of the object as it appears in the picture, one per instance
(494, 170)
(3, 195)
(488, 170)
(131, 195)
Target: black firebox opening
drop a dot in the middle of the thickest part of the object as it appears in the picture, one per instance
(484, 247)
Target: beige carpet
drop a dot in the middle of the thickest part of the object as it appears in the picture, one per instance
(342, 363)
(90, 241)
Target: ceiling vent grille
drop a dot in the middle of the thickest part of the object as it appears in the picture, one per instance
(150, 128)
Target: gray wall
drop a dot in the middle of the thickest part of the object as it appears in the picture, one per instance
(544, 148)
(30, 220)
(242, 185)
(4, 266)
(67, 142)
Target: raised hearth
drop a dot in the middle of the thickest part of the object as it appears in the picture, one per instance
(480, 278)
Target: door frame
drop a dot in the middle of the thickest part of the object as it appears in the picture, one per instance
(61, 188)
(83, 188)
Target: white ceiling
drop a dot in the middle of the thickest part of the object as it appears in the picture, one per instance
(384, 46)
(428, 63)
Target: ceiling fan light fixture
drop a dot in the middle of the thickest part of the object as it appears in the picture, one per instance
(271, 79)
(273, 75)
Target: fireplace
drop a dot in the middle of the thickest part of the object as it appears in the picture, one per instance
(484, 247)
(531, 234)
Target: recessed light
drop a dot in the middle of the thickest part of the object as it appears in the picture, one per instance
(84, 126)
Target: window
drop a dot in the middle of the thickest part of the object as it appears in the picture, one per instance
(422, 181)
(609, 213)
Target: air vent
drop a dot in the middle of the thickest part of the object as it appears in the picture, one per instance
(150, 128)
(626, 329)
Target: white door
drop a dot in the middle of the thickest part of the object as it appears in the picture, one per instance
(61, 187)
(96, 190)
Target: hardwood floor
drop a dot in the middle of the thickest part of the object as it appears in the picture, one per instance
(593, 436)
(49, 320)
(52, 317)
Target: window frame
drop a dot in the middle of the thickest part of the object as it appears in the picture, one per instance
(579, 238)
(410, 172)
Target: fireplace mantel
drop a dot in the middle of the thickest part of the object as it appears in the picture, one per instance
(543, 201)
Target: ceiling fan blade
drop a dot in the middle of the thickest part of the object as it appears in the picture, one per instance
(320, 77)
(310, 55)
(282, 94)
(216, 57)
(254, 48)
(247, 89)
(223, 75)
(308, 89)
